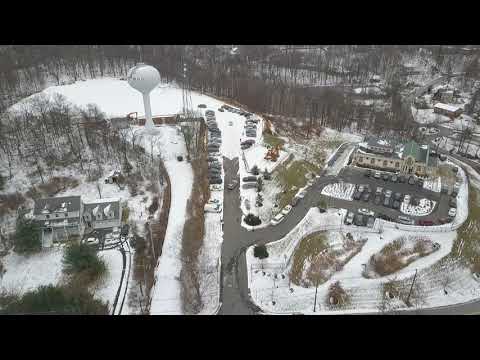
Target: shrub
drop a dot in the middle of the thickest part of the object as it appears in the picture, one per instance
(260, 251)
(58, 300)
(153, 206)
(252, 220)
(10, 202)
(27, 236)
(83, 259)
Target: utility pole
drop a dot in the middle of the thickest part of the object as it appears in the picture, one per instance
(315, 302)
(411, 288)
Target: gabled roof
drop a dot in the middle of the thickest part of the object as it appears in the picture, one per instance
(418, 153)
(56, 204)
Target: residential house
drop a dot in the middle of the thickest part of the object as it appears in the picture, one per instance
(102, 214)
(59, 218)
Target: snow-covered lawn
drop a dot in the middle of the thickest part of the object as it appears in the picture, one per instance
(424, 207)
(339, 190)
(107, 288)
(26, 273)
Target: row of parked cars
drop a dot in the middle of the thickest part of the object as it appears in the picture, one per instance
(213, 148)
(411, 180)
(234, 110)
(382, 196)
(251, 128)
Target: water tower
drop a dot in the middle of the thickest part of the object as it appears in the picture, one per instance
(145, 78)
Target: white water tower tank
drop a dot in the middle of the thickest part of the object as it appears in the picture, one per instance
(144, 78)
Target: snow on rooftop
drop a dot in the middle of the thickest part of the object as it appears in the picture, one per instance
(103, 200)
(447, 107)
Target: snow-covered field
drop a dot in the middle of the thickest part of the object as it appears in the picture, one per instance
(424, 207)
(26, 273)
(339, 190)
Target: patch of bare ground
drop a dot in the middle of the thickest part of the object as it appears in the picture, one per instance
(397, 255)
(53, 186)
(10, 202)
(315, 261)
(398, 294)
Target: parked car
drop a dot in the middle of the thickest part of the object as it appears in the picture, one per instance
(245, 147)
(405, 220)
(215, 187)
(386, 201)
(125, 230)
(377, 175)
(251, 135)
(425, 222)
(249, 185)
(377, 200)
(214, 208)
(385, 177)
(301, 194)
(452, 212)
(420, 182)
(442, 157)
(361, 188)
(368, 173)
(92, 241)
(411, 180)
(277, 219)
(202, 106)
(388, 193)
(366, 197)
(210, 112)
(247, 142)
(295, 201)
(349, 218)
(220, 109)
(249, 178)
(444, 220)
(232, 185)
(396, 204)
(367, 212)
(286, 209)
(406, 199)
(357, 195)
(215, 180)
(359, 220)
(384, 217)
(453, 202)
(368, 189)
(402, 179)
(379, 190)
(394, 178)
(397, 196)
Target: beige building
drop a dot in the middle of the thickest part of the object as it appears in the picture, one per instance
(412, 159)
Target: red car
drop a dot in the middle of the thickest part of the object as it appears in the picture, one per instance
(425, 222)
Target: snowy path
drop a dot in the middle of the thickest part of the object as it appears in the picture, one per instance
(166, 292)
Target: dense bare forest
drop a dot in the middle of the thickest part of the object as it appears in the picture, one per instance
(297, 82)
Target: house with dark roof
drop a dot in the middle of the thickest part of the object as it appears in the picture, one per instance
(412, 158)
(102, 214)
(59, 218)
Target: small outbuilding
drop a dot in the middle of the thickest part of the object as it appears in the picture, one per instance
(448, 110)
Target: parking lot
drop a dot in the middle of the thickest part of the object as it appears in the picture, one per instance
(357, 176)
